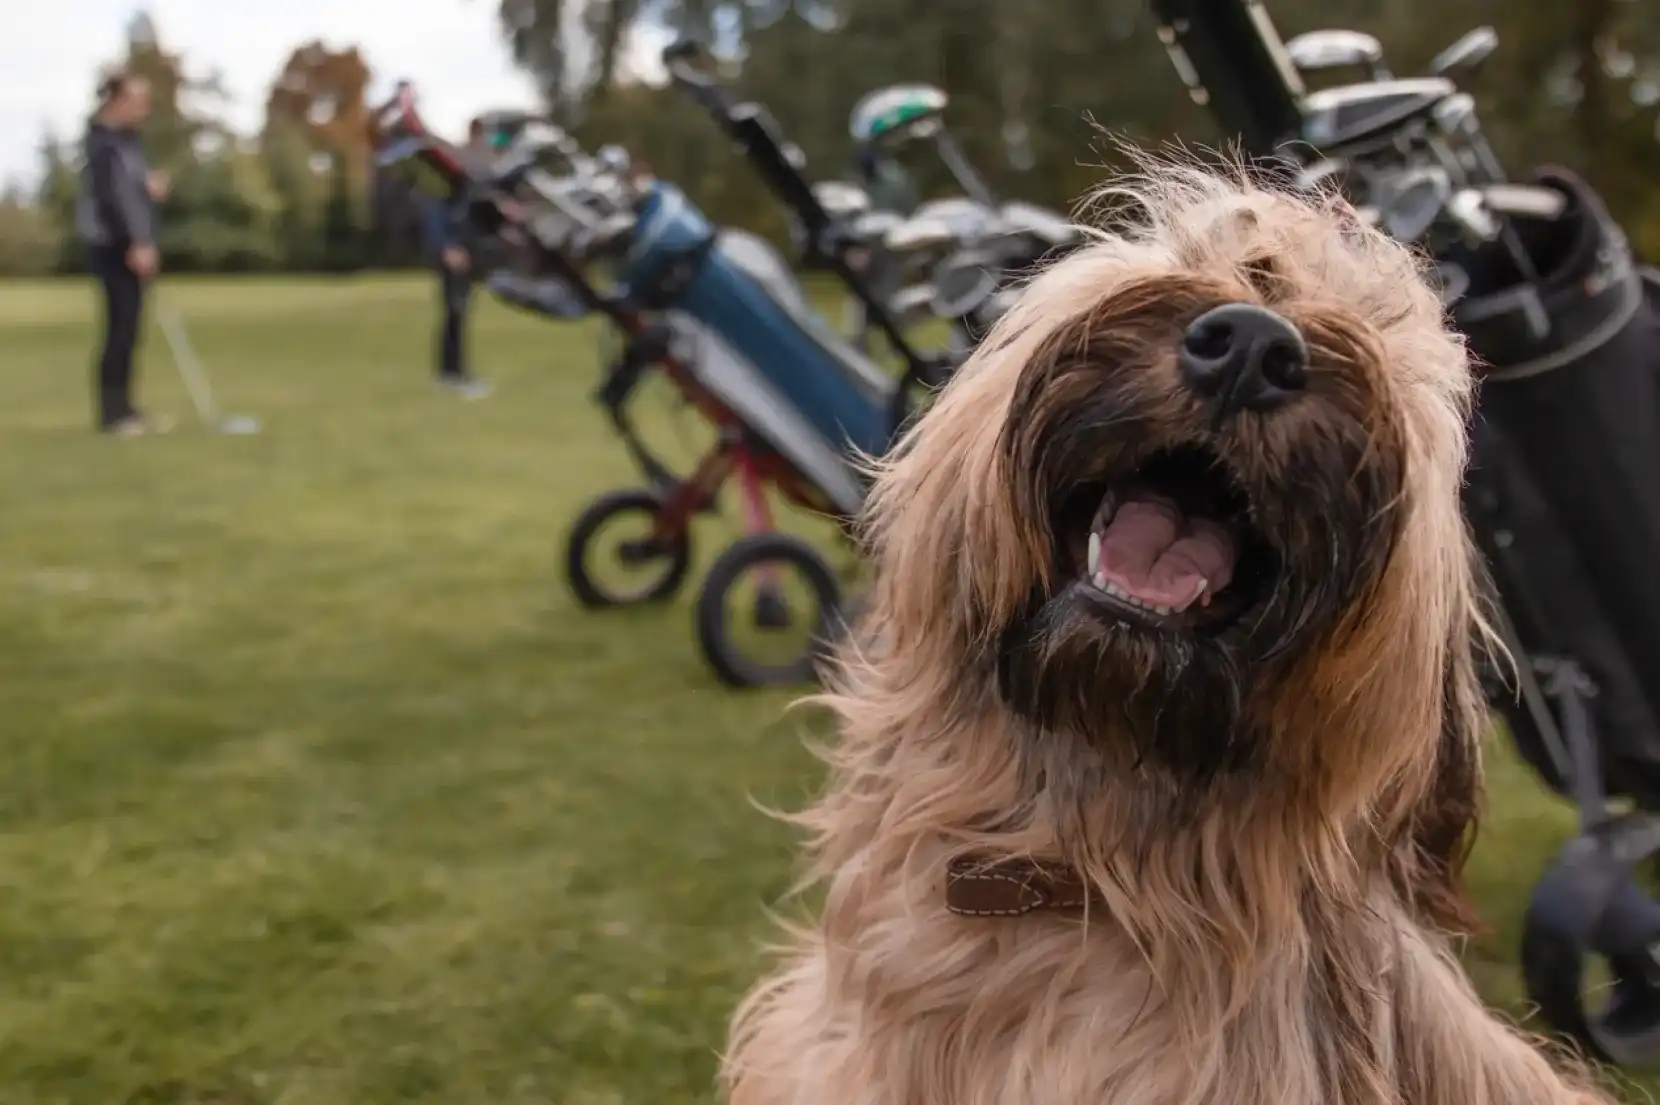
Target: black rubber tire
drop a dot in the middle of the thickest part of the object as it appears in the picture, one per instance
(734, 669)
(1619, 1025)
(601, 511)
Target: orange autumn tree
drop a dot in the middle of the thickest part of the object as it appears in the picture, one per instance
(319, 95)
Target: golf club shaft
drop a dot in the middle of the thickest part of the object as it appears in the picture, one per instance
(185, 360)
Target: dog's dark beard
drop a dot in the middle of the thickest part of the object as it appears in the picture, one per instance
(1181, 700)
(1170, 701)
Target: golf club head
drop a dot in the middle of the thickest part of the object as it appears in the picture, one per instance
(1467, 54)
(1049, 227)
(821, 15)
(920, 235)
(913, 303)
(1354, 118)
(869, 228)
(1412, 201)
(1315, 51)
(1456, 114)
(1527, 201)
(897, 114)
(614, 159)
(961, 284)
(840, 199)
(239, 426)
(1324, 172)
(1467, 210)
(537, 138)
(1451, 281)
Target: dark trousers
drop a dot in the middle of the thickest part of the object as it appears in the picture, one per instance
(457, 291)
(123, 294)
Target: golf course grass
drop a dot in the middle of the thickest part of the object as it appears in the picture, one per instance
(317, 787)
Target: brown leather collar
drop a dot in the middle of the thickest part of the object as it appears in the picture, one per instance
(976, 887)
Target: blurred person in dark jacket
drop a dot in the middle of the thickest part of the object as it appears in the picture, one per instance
(454, 245)
(115, 220)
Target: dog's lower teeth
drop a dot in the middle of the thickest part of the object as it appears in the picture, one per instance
(1201, 594)
(1092, 564)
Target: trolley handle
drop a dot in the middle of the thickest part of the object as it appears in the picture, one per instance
(783, 166)
(683, 59)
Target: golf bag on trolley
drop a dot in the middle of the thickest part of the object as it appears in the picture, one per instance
(1563, 494)
(792, 406)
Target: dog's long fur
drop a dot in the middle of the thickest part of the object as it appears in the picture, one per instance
(1276, 839)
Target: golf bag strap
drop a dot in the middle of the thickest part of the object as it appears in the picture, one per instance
(1011, 888)
(1585, 299)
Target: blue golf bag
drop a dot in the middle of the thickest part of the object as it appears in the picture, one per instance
(744, 327)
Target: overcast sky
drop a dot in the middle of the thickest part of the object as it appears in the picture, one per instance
(50, 51)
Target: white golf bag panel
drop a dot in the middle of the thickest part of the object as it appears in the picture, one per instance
(736, 382)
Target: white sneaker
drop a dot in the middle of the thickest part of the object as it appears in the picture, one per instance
(138, 425)
(467, 387)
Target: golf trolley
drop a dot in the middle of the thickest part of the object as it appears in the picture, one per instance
(1564, 491)
(720, 315)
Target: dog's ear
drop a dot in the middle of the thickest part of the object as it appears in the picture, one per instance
(1444, 825)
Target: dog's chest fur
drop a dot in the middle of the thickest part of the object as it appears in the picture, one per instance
(902, 1003)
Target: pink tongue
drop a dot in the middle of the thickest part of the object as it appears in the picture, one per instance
(1158, 557)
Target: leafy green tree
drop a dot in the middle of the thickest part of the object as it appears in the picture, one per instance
(286, 156)
(223, 215)
(342, 226)
(30, 242)
(59, 189)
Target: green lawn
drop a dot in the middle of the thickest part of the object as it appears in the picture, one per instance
(317, 788)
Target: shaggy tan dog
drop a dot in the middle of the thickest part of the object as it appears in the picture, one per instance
(1159, 758)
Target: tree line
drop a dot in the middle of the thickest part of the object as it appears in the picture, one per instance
(302, 195)
(1034, 87)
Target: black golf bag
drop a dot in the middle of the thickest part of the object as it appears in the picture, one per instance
(1564, 498)
(1568, 441)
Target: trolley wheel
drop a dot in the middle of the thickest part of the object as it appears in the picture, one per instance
(773, 610)
(659, 564)
(1590, 941)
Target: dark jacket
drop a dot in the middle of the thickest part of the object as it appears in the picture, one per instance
(447, 222)
(114, 209)
(444, 222)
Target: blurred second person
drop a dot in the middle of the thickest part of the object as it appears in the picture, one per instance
(452, 243)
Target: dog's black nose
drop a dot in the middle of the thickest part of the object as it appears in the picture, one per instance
(1244, 358)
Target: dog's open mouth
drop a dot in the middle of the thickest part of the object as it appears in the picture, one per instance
(1169, 546)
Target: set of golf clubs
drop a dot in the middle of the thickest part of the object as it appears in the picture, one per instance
(1411, 153)
(586, 200)
(952, 258)
(955, 256)
(956, 248)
